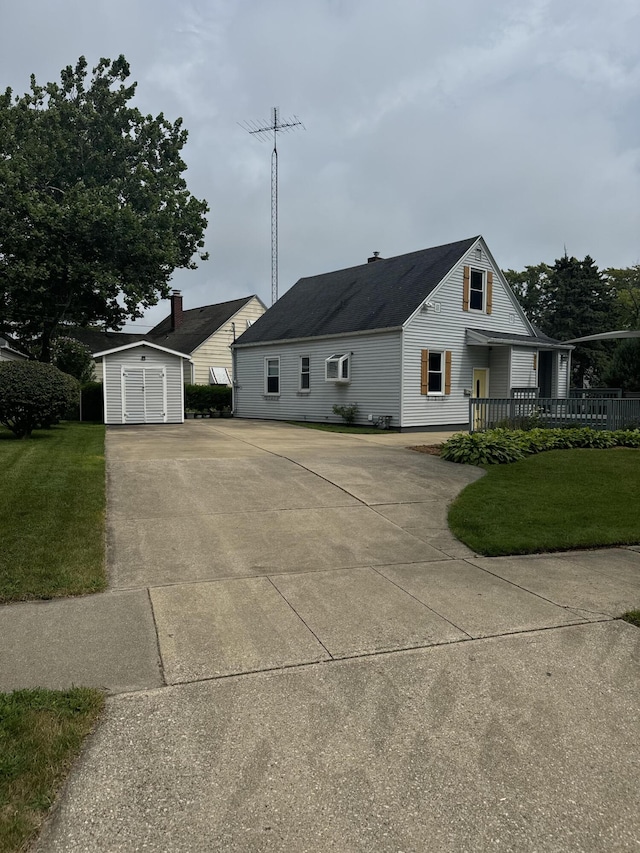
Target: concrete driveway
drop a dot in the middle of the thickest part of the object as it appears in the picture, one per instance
(301, 657)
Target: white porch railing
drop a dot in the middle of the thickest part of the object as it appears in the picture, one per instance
(519, 412)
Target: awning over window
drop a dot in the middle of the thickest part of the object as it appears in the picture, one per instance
(219, 376)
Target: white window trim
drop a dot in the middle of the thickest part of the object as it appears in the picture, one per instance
(267, 359)
(339, 360)
(442, 371)
(302, 390)
(483, 273)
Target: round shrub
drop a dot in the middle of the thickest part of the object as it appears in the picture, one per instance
(34, 395)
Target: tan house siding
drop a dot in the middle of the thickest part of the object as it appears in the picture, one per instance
(215, 351)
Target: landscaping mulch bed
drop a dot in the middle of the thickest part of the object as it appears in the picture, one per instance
(431, 449)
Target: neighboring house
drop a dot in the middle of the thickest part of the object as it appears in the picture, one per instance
(206, 335)
(9, 350)
(407, 339)
(142, 384)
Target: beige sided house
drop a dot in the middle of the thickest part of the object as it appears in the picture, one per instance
(206, 335)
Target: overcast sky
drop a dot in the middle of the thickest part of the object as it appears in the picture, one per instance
(426, 122)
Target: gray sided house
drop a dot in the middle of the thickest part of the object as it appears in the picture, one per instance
(408, 340)
(142, 384)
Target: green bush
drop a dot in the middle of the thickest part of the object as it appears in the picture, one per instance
(348, 413)
(483, 448)
(34, 395)
(498, 446)
(207, 398)
(74, 358)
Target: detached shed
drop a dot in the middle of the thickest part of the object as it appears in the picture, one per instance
(142, 384)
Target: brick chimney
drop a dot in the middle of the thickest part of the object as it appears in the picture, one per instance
(176, 309)
(376, 257)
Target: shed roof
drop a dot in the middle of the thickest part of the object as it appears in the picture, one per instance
(378, 295)
(197, 325)
(142, 343)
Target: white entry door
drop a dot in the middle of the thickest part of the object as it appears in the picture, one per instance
(144, 395)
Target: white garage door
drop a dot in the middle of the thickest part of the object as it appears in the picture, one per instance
(144, 395)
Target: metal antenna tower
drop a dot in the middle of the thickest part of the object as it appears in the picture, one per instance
(263, 131)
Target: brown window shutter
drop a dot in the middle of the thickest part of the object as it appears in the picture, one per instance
(489, 292)
(424, 372)
(535, 361)
(447, 372)
(465, 288)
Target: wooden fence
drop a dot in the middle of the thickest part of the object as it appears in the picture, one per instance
(522, 413)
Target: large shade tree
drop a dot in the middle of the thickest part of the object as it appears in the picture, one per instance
(95, 214)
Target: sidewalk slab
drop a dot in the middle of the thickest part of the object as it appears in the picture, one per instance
(356, 611)
(476, 602)
(106, 640)
(209, 630)
(514, 744)
(151, 552)
(580, 582)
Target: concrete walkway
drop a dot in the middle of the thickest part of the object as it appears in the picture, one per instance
(301, 657)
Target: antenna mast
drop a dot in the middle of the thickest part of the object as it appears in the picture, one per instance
(263, 131)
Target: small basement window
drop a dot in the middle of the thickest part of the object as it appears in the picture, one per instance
(336, 368)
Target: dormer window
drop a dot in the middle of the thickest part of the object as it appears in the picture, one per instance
(477, 290)
(336, 368)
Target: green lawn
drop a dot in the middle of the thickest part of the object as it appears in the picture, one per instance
(552, 501)
(350, 428)
(52, 512)
(41, 732)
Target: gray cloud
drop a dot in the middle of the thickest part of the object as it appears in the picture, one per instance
(425, 122)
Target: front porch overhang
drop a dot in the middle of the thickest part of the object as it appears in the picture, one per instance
(488, 338)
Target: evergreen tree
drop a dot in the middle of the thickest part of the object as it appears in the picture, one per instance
(569, 300)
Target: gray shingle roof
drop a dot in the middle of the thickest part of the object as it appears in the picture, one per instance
(197, 325)
(97, 340)
(377, 295)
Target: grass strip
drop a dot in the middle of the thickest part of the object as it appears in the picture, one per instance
(553, 501)
(41, 732)
(52, 512)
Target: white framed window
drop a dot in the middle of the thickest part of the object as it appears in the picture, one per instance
(305, 373)
(337, 368)
(476, 290)
(272, 375)
(435, 372)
